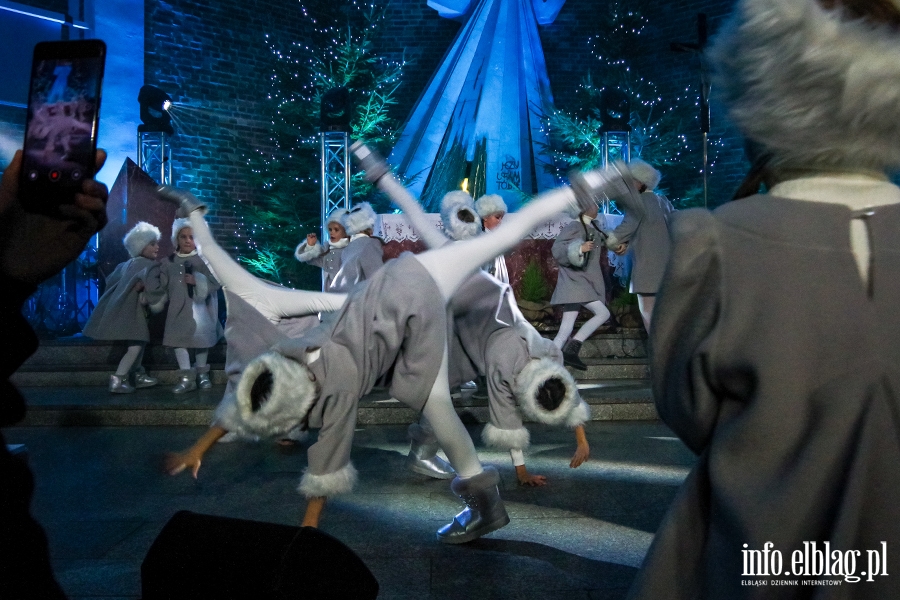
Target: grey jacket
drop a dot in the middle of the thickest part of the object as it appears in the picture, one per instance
(192, 319)
(781, 370)
(580, 278)
(646, 230)
(326, 258)
(361, 259)
(121, 313)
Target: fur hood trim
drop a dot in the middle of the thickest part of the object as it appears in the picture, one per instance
(177, 226)
(529, 381)
(490, 204)
(336, 216)
(451, 205)
(573, 253)
(341, 481)
(645, 173)
(139, 237)
(507, 439)
(360, 218)
(305, 253)
(816, 89)
(292, 395)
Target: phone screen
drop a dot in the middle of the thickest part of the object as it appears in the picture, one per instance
(63, 114)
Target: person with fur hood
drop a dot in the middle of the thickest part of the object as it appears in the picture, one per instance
(797, 437)
(327, 257)
(644, 231)
(491, 209)
(192, 318)
(133, 288)
(492, 339)
(364, 254)
(395, 320)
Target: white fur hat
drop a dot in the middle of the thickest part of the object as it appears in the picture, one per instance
(177, 226)
(290, 397)
(139, 237)
(336, 216)
(359, 218)
(815, 87)
(645, 173)
(452, 204)
(528, 383)
(490, 204)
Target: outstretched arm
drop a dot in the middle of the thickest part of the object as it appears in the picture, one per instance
(582, 450)
(192, 457)
(314, 508)
(378, 171)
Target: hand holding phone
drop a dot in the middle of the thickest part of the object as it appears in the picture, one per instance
(61, 128)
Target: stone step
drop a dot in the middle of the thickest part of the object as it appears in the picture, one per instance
(95, 407)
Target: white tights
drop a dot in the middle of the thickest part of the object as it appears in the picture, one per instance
(184, 358)
(272, 301)
(132, 357)
(645, 304)
(601, 314)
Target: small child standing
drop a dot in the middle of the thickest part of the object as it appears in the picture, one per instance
(131, 288)
(328, 258)
(192, 320)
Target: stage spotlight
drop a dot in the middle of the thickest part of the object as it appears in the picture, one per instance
(155, 105)
(336, 110)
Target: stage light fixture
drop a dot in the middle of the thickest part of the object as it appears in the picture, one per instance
(336, 110)
(615, 110)
(155, 105)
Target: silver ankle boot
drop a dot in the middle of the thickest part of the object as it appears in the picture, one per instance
(142, 380)
(484, 510)
(203, 379)
(423, 458)
(120, 385)
(187, 381)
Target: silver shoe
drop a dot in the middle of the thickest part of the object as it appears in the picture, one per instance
(184, 200)
(466, 390)
(484, 510)
(187, 382)
(203, 379)
(142, 380)
(423, 458)
(120, 385)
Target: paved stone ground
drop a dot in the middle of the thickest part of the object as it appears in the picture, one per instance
(103, 498)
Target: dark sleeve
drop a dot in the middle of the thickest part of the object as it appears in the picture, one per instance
(683, 330)
(19, 342)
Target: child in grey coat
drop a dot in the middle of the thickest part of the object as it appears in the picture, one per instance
(121, 314)
(327, 257)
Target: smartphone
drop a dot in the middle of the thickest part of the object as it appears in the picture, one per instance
(61, 127)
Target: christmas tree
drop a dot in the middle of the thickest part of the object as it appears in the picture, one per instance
(665, 129)
(339, 53)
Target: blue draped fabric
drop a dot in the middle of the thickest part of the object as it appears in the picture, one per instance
(480, 115)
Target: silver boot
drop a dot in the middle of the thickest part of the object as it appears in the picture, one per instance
(187, 381)
(423, 458)
(203, 379)
(184, 200)
(484, 510)
(120, 385)
(142, 380)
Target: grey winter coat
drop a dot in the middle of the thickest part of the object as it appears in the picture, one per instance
(192, 320)
(361, 259)
(326, 258)
(580, 278)
(776, 365)
(646, 230)
(121, 313)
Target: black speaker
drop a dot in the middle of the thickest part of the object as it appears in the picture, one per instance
(199, 557)
(336, 110)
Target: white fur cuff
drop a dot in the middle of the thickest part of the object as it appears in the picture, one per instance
(576, 258)
(330, 484)
(158, 306)
(507, 439)
(612, 242)
(305, 252)
(201, 289)
(580, 415)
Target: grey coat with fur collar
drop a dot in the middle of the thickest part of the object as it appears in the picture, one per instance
(360, 260)
(192, 319)
(646, 230)
(780, 368)
(580, 278)
(121, 313)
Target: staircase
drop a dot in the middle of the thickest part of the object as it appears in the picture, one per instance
(65, 383)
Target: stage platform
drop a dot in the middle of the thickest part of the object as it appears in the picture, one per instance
(65, 385)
